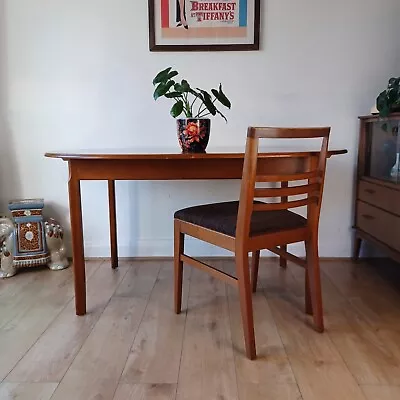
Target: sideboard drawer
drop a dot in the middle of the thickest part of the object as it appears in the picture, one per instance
(380, 196)
(379, 224)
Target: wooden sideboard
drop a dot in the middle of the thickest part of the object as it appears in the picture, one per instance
(377, 203)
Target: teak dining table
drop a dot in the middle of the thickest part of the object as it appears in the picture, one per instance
(147, 165)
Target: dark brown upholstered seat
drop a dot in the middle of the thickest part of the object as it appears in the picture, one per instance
(222, 217)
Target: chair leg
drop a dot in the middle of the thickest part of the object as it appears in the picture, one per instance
(246, 306)
(255, 261)
(179, 240)
(314, 281)
(309, 309)
(282, 260)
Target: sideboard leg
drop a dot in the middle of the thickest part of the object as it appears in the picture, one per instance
(357, 248)
(113, 224)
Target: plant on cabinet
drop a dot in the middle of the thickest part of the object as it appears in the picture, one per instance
(388, 101)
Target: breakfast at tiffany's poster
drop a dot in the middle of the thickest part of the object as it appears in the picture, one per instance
(192, 23)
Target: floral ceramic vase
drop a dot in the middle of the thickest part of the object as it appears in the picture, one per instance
(193, 134)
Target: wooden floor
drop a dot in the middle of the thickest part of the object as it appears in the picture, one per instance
(130, 345)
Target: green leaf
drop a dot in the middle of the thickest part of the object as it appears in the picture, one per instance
(173, 95)
(222, 115)
(158, 90)
(162, 89)
(220, 96)
(177, 109)
(225, 99)
(208, 102)
(389, 98)
(393, 82)
(178, 88)
(382, 104)
(185, 86)
(172, 74)
(162, 76)
(194, 93)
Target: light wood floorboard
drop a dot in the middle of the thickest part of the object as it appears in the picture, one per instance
(156, 352)
(364, 291)
(33, 313)
(66, 335)
(131, 346)
(155, 391)
(381, 392)
(370, 350)
(26, 391)
(207, 368)
(96, 370)
(318, 366)
(271, 375)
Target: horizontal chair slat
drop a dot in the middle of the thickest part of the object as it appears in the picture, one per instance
(288, 178)
(288, 256)
(284, 206)
(290, 191)
(209, 269)
(288, 133)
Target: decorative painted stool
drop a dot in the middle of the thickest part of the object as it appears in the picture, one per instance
(27, 240)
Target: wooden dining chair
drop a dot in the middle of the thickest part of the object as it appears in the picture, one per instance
(250, 225)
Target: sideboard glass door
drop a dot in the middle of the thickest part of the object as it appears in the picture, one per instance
(383, 149)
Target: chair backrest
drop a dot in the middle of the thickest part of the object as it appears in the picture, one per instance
(282, 168)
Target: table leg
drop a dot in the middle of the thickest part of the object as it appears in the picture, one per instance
(113, 224)
(77, 244)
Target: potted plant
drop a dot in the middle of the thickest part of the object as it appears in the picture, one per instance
(388, 101)
(195, 104)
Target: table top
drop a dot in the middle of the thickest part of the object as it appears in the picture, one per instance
(173, 153)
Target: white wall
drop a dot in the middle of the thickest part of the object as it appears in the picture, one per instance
(8, 168)
(77, 74)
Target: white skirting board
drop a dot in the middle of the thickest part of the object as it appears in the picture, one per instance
(194, 247)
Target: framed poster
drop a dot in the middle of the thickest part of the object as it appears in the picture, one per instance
(204, 25)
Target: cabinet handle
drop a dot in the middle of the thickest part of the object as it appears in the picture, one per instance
(366, 216)
(370, 191)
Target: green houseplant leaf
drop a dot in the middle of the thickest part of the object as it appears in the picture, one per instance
(222, 115)
(177, 109)
(389, 99)
(186, 98)
(162, 89)
(172, 74)
(208, 102)
(220, 96)
(162, 76)
(185, 86)
(173, 95)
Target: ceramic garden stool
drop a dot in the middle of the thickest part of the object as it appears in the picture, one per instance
(27, 240)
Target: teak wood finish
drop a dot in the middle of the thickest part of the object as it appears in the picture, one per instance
(288, 167)
(143, 165)
(377, 209)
